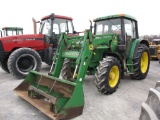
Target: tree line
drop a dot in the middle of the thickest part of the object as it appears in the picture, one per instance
(150, 37)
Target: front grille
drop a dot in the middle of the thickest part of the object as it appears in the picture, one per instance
(153, 51)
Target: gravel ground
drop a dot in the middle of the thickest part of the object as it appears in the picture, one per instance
(124, 104)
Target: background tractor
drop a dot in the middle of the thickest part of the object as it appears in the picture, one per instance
(113, 49)
(155, 49)
(10, 31)
(21, 53)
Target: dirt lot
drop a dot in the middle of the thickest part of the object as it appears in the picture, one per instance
(125, 104)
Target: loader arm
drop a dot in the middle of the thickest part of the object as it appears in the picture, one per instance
(82, 57)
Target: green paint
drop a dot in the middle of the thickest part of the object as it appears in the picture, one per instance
(134, 44)
(115, 16)
(130, 54)
(60, 104)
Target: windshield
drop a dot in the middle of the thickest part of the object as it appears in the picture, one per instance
(19, 32)
(109, 26)
(13, 32)
(59, 26)
(10, 33)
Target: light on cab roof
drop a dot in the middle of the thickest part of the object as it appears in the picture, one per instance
(121, 14)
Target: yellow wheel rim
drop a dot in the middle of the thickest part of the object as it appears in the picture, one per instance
(144, 62)
(113, 76)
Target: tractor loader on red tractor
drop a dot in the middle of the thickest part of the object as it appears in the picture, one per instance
(113, 49)
(21, 53)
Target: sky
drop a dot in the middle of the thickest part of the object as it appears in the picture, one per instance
(20, 12)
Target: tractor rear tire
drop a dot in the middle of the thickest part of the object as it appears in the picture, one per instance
(4, 66)
(108, 75)
(150, 110)
(66, 70)
(22, 60)
(141, 63)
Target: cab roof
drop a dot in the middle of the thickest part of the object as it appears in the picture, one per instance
(57, 16)
(12, 28)
(115, 16)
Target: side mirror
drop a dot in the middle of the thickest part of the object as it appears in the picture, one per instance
(52, 16)
(38, 22)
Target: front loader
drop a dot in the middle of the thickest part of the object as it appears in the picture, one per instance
(113, 49)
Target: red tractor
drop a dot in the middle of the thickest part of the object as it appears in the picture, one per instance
(21, 53)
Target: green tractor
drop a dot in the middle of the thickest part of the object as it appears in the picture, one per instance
(113, 49)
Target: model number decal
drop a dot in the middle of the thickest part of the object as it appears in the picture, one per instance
(26, 39)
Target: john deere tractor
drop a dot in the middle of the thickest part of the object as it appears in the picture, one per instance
(113, 49)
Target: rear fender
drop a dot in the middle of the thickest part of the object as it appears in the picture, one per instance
(133, 51)
(140, 42)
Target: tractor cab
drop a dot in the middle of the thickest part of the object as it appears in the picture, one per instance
(123, 25)
(53, 25)
(11, 31)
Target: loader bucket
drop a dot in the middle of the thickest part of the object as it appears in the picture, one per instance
(57, 98)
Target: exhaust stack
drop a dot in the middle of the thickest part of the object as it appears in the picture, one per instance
(34, 26)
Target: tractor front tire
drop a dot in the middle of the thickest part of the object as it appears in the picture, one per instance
(22, 60)
(141, 63)
(66, 70)
(107, 77)
(4, 66)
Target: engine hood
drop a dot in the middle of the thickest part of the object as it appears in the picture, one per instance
(23, 37)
